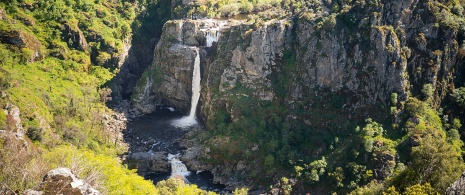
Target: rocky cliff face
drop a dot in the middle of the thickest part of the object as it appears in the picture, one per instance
(362, 56)
(458, 187)
(326, 70)
(169, 79)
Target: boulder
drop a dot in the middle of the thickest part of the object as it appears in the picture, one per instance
(458, 187)
(13, 120)
(148, 162)
(62, 181)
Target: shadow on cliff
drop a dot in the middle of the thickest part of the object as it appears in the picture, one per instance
(147, 29)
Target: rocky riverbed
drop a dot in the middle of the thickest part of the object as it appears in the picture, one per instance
(152, 137)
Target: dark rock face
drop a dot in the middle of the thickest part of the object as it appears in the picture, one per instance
(133, 62)
(62, 181)
(75, 36)
(458, 187)
(169, 79)
(147, 162)
(21, 39)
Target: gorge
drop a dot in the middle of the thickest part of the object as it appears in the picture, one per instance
(241, 97)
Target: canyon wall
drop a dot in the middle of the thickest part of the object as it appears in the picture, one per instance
(361, 57)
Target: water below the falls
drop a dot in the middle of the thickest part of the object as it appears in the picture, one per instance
(157, 130)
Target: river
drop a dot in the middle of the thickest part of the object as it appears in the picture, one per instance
(155, 132)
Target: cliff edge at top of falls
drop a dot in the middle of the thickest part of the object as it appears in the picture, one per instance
(169, 79)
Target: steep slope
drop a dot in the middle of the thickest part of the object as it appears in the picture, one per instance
(57, 58)
(285, 96)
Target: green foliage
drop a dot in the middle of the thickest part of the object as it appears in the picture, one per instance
(35, 133)
(229, 10)
(371, 188)
(103, 172)
(103, 58)
(2, 120)
(242, 191)
(435, 161)
(427, 91)
(458, 96)
(419, 189)
(312, 172)
(58, 87)
(393, 99)
(174, 186)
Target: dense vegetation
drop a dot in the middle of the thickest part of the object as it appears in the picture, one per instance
(411, 146)
(56, 60)
(58, 56)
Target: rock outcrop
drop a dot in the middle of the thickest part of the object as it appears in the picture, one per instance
(148, 162)
(13, 120)
(62, 181)
(362, 63)
(21, 39)
(320, 68)
(169, 79)
(75, 37)
(458, 187)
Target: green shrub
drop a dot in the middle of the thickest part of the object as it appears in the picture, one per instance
(35, 133)
(230, 10)
(103, 58)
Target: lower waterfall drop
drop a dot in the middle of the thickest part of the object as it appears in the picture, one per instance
(190, 120)
(178, 169)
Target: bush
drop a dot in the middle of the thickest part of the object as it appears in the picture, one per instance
(393, 99)
(459, 96)
(428, 91)
(246, 6)
(103, 58)
(35, 133)
(229, 10)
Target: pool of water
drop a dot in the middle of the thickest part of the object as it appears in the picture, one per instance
(155, 132)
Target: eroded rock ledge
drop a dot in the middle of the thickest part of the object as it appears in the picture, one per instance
(62, 181)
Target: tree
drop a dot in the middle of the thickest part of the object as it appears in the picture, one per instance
(434, 161)
(393, 99)
(419, 189)
(428, 91)
(459, 96)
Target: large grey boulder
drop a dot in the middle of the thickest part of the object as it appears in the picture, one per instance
(458, 187)
(148, 162)
(62, 181)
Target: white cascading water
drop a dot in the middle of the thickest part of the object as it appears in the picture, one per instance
(190, 120)
(213, 34)
(178, 169)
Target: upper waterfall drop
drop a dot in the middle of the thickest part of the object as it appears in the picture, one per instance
(212, 34)
(191, 119)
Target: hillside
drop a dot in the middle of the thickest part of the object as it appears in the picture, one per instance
(320, 97)
(56, 60)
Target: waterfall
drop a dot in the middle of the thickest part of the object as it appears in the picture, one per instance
(178, 169)
(191, 119)
(211, 36)
(195, 84)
